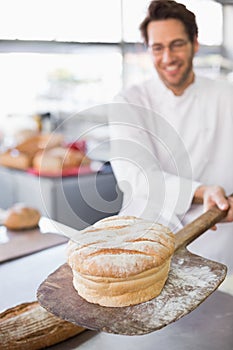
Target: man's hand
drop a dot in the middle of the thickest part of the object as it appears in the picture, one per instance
(215, 195)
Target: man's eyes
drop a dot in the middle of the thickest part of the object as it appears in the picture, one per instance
(157, 48)
(173, 46)
(178, 43)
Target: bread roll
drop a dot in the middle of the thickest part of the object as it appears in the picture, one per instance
(15, 159)
(21, 217)
(24, 134)
(121, 261)
(40, 142)
(57, 159)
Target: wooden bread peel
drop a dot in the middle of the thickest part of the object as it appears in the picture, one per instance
(191, 280)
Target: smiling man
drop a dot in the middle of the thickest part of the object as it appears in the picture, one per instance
(179, 155)
(170, 31)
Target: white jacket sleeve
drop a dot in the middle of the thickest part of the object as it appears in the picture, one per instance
(150, 191)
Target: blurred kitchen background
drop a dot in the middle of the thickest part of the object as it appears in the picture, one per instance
(58, 58)
(61, 63)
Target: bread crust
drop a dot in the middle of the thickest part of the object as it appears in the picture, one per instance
(121, 261)
(28, 326)
(125, 292)
(21, 217)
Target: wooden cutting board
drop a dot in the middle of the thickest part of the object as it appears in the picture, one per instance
(15, 244)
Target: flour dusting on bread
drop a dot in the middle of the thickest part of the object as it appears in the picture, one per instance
(121, 261)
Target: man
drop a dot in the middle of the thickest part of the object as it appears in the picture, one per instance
(167, 161)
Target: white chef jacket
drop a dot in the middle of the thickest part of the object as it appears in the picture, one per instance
(164, 146)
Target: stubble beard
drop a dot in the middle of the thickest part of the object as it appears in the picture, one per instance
(186, 78)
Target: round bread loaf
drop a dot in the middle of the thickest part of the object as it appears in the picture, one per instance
(121, 261)
(21, 217)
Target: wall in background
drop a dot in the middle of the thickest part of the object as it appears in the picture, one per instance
(64, 57)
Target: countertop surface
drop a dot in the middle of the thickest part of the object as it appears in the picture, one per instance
(209, 327)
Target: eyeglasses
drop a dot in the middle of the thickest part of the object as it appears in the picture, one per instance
(174, 46)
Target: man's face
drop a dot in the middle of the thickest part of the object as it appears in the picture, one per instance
(172, 53)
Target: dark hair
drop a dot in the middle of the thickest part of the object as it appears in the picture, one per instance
(166, 9)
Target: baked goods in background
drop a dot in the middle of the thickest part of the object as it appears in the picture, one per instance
(13, 158)
(58, 159)
(45, 153)
(21, 156)
(121, 261)
(20, 217)
(29, 326)
(24, 134)
(40, 142)
(48, 141)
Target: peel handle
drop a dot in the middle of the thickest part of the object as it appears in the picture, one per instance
(197, 227)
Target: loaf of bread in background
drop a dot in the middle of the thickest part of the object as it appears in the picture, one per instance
(21, 217)
(40, 142)
(121, 261)
(24, 134)
(15, 159)
(21, 156)
(58, 159)
(28, 326)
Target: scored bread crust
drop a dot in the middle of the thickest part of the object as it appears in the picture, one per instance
(121, 261)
